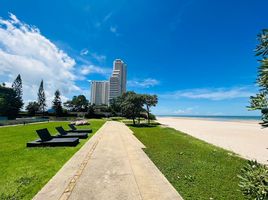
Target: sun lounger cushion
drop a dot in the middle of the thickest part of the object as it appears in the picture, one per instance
(74, 129)
(54, 142)
(63, 133)
(44, 134)
(47, 140)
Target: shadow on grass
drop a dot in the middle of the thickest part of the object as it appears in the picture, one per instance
(142, 125)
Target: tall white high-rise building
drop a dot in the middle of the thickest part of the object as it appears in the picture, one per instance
(118, 79)
(99, 92)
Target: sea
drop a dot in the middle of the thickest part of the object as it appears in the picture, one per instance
(217, 118)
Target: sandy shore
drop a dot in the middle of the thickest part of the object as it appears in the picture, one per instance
(248, 139)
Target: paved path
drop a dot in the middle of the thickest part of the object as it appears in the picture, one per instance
(111, 165)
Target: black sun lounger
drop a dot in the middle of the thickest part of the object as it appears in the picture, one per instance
(75, 130)
(47, 140)
(64, 134)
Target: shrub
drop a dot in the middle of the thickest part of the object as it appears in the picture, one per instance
(95, 115)
(254, 181)
(152, 116)
(117, 118)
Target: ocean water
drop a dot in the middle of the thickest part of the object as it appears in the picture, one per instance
(218, 118)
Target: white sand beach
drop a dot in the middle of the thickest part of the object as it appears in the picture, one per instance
(246, 138)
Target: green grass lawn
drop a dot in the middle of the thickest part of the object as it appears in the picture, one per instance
(24, 171)
(198, 170)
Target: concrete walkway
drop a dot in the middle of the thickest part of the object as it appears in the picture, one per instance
(111, 165)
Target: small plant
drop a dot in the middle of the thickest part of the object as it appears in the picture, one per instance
(254, 181)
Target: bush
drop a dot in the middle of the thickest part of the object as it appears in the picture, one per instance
(254, 181)
(95, 115)
(117, 118)
(152, 116)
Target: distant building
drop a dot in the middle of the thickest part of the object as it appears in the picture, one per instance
(99, 92)
(103, 91)
(118, 79)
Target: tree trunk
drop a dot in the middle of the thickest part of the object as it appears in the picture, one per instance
(133, 119)
(148, 115)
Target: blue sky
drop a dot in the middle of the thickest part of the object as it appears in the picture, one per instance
(196, 55)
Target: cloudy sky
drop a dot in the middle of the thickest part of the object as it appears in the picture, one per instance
(196, 55)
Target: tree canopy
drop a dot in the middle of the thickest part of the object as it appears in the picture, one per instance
(17, 87)
(149, 101)
(132, 105)
(32, 108)
(42, 97)
(56, 104)
(10, 103)
(260, 101)
(77, 104)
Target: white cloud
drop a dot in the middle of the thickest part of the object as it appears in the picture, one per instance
(99, 58)
(95, 56)
(114, 30)
(212, 94)
(100, 23)
(107, 17)
(93, 69)
(185, 111)
(146, 83)
(84, 52)
(24, 50)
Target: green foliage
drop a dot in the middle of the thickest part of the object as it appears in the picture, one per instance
(17, 87)
(41, 98)
(262, 47)
(32, 108)
(132, 105)
(56, 104)
(96, 112)
(260, 102)
(254, 181)
(117, 118)
(25, 171)
(196, 169)
(91, 110)
(152, 117)
(77, 104)
(263, 75)
(149, 101)
(115, 105)
(10, 102)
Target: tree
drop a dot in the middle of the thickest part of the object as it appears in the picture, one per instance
(17, 87)
(10, 103)
(115, 105)
(42, 98)
(149, 101)
(260, 101)
(91, 111)
(132, 105)
(56, 104)
(32, 108)
(77, 104)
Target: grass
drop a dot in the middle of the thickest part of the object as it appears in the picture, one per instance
(198, 170)
(24, 171)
